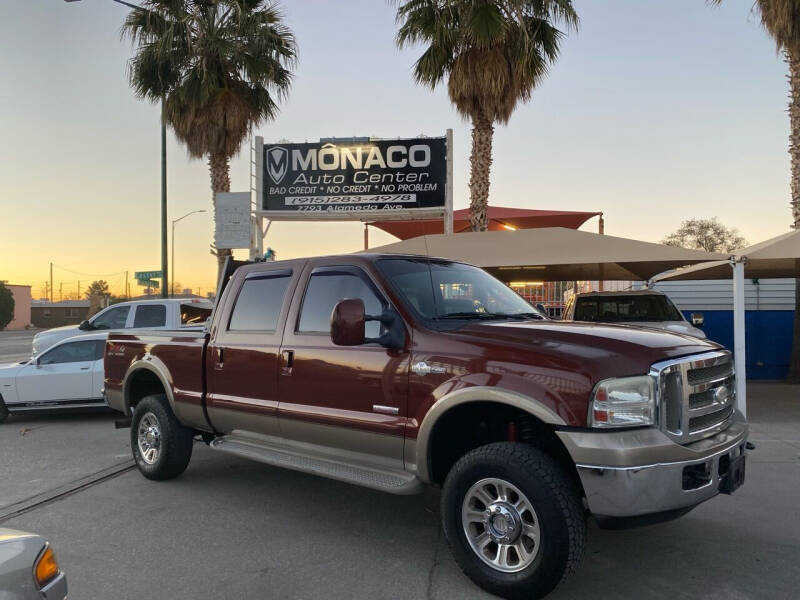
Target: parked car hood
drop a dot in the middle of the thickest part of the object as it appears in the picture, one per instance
(10, 369)
(613, 349)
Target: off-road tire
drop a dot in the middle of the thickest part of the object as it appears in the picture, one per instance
(175, 440)
(3, 410)
(557, 503)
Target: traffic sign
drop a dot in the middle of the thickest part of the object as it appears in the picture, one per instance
(145, 275)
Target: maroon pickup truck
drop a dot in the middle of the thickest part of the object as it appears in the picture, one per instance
(394, 372)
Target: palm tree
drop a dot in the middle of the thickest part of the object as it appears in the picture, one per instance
(493, 53)
(781, 19)
(218, 65)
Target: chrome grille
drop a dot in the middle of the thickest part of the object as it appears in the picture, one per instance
(696, 395)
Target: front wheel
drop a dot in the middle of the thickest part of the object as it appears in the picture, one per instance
(161, 445)
(514, 520)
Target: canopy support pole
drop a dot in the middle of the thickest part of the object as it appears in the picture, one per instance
(448, 190)
(739, 348)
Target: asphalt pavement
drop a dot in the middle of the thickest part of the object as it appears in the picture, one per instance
(16, 345)
(230, 528)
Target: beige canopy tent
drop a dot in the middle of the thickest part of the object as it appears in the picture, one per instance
(777, 257)
(553, 254)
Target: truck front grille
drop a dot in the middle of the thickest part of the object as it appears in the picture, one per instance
(697, 395)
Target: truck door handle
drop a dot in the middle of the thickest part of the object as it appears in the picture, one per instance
(220, 355)
(288, 362)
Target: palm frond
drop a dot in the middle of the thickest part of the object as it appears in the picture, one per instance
(220, 65)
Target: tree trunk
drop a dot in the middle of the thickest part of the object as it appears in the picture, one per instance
(793, 60)
(480, 164)
(220, 182)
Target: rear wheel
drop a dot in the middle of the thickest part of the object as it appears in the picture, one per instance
(161, 445)
(514, 520)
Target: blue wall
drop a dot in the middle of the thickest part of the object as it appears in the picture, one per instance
(769, 338)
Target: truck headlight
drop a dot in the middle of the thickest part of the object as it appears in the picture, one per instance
(623, 402)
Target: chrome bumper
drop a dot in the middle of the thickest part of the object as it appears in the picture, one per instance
(624, 486)
(56, 589)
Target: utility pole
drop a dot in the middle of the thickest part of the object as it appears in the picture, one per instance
(164, 266)
(61, 291)
(51, 282)
(79, 289)
(127, 288)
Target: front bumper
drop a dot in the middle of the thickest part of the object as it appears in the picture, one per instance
(56, 589)
(641, 472)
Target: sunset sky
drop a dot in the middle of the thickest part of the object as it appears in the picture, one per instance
(656, 112)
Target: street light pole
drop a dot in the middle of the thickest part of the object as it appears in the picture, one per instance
(164, 265)
(172, 287)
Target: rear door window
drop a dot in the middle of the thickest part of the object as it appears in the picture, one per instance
(194, 314)
(259, 303)
(150, 315)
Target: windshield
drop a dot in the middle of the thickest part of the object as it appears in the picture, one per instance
(626, 309)
(441, 291)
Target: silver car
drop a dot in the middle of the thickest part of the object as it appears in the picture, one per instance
(28, 568)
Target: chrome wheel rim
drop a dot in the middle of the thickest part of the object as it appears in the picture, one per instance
(148, 438)
(501, 526)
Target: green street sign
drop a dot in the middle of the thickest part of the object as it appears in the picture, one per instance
(152, 283)
(145, 275)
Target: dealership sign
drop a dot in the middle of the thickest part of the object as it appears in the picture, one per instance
(354, 179)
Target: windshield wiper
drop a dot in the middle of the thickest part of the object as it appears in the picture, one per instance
(528, 315)
(488, 315)
(467, 315)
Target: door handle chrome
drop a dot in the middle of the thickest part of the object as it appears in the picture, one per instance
(84, 368)
(386, 410)
(288, 362)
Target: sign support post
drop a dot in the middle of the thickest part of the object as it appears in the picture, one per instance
(257, 188)
(448, 199)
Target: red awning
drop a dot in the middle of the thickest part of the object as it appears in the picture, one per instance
(499, 218)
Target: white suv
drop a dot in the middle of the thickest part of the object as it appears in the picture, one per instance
(172, 313)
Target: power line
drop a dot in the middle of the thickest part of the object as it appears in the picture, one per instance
(88, 274)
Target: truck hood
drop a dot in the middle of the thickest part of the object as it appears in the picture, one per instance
(613, 350)
(57, 330)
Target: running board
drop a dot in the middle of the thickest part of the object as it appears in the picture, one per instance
(393, 482)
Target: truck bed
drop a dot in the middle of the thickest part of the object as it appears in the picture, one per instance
(176, 356)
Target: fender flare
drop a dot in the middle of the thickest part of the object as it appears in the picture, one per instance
(148, 362)
(474, 394)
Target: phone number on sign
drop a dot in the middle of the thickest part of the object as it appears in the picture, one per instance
(358, 199)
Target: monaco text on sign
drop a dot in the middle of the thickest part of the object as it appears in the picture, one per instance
(355, 177)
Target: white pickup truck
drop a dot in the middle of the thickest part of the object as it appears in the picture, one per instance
(168, 313)
(643, 308)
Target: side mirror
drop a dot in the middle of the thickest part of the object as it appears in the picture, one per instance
(85, 326)
(347, 322)
(697, 319)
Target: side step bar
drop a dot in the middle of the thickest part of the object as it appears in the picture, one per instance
(393, 482)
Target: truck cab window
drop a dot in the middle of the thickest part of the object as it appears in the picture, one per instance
(150, 315)
(112, 318)
(259, 303)
(325, 290)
